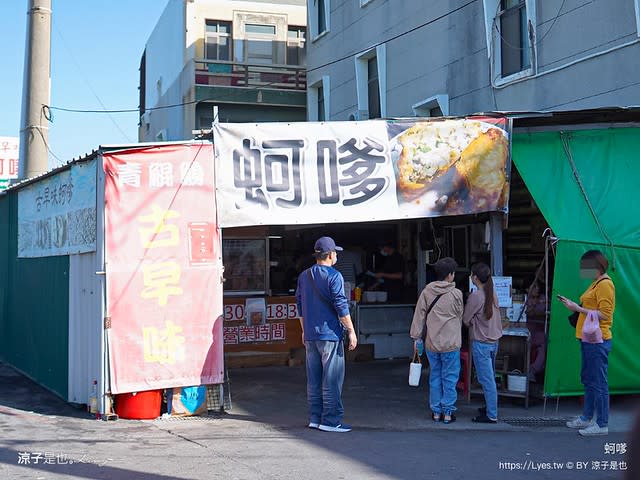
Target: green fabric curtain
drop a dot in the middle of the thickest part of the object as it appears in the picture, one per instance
(599, 211)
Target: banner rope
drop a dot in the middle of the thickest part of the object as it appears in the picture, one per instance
(565, 138)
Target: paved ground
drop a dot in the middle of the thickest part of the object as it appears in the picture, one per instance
(263, 436)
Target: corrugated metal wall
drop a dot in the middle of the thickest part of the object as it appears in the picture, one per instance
(86, 310)
(34, 307)
(85, 325)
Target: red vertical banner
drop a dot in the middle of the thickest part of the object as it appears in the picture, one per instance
(163, 268)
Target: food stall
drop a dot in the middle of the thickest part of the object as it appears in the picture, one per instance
(429, 188)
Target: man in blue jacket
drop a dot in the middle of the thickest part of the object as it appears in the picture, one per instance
(325, 318)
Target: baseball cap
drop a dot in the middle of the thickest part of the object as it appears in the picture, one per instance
(326, 245)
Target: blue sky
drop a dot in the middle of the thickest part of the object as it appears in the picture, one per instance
(96, 47)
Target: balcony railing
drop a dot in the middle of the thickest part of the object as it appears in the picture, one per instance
(220, 73)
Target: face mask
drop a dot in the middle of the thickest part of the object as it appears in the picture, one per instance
(384, 253)
(589, 273)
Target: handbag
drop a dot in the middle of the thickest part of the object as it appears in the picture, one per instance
(573, 319)
(591, 332)
(415, 370)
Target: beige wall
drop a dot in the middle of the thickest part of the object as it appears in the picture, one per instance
(202, 10)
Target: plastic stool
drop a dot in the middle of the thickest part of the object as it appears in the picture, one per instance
(463, 383)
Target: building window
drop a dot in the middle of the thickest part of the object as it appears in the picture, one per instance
(371, 83)
(510, 34)
(296, 46)
(245, 261)
(259, 46)
(318, 100)
(515, 51)
(436, 106)
(322, 17)
(319, 17)
(217, 43)
(373, 88)
(321, 116)
(260, 29)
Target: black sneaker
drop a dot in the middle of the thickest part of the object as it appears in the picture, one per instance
(483, 419)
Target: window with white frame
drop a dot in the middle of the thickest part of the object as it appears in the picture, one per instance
(260, 44)
(217, 44)
(319, 17)
(318, 100)
(371, 84)
(436, 106)
(510, 28)
(296, 45)
(513, 25)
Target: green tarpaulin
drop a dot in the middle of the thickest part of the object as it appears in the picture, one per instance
(586, 184)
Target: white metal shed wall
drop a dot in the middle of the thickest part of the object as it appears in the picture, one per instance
(86, 311)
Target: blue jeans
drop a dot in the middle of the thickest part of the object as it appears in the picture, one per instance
(484, 358)
(325, 375)
(595, 363)
(444, 373)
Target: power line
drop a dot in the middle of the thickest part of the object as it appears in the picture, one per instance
(86, 80)
(37, 128)
(514, 47)
(395, 37)
(346, 57)
(124, 110)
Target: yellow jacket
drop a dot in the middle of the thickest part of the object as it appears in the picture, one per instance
(601, 296)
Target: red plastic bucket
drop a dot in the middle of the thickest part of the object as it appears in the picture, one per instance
(140, 405)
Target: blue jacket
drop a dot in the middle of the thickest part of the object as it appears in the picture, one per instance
(321, 307)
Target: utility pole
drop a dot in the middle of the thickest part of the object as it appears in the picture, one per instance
(34, 158)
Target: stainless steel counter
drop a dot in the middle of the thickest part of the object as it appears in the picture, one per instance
(386, 326)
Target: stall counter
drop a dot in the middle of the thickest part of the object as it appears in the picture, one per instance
(386, 326)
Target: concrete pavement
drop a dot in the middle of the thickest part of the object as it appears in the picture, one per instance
(264, 436)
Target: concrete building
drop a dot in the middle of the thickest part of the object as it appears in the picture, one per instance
(395, 58)
(247, 58)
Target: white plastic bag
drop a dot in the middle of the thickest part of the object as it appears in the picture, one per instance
(591, 332)
(415, 370)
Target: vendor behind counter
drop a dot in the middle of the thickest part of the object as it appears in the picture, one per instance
(391, 272)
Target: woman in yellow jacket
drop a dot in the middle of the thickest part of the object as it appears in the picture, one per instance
(601, 297)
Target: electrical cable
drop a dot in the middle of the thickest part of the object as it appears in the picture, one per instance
(395, 37)
(553, 22)
(86, 80)
(46, 144)
(327, 64)
(164, 107)
(565, 137)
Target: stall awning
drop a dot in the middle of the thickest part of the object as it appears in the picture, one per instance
(585, 184)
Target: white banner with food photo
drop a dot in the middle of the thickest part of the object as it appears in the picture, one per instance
(303, 173)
